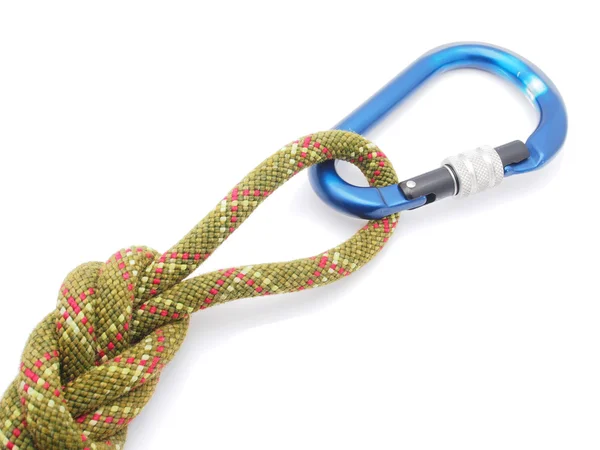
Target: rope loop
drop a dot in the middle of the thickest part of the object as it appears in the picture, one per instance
(90, 367)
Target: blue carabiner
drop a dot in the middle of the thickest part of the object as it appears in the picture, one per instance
(541, 147)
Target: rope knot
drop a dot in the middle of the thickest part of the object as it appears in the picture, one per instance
(86, 371)
(91, 366)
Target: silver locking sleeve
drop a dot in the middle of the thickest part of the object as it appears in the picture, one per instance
(466, 173)
(476, 170)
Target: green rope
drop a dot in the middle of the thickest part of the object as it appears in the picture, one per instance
(91, 365)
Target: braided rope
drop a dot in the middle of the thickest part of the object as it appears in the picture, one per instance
(90, 366)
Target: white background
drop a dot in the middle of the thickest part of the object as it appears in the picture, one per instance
(476, 328)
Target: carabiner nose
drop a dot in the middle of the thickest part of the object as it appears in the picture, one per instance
(468, 172)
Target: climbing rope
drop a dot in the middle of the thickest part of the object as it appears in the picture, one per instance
(89, 367)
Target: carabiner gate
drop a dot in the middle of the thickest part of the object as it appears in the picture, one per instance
(463, 174)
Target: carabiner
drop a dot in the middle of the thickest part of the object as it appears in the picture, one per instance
(468, 172)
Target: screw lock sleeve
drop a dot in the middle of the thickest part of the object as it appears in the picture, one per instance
(476, 170)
